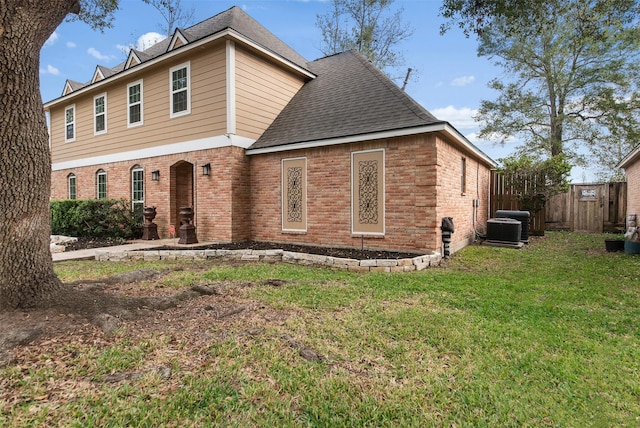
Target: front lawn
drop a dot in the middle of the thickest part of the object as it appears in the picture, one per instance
(548, 335)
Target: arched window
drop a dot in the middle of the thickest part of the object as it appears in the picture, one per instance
(101, 184)
(71, 186)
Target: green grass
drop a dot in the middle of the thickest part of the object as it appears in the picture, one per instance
(544, 336)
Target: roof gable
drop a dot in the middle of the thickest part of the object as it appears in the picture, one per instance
(70, 86)
(348, 97)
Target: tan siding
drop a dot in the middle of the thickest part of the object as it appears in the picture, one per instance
(262, 91)
(207, 117)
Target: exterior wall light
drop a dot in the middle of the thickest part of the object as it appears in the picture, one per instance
(206, 169)
(155, 175)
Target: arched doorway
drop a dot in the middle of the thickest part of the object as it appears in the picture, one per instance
(181, 192)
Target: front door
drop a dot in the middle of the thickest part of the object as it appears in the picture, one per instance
(181, 193)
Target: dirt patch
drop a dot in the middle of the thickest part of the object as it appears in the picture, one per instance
(83, 306)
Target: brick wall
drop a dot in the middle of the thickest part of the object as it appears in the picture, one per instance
(216, 218)
(633, 188)
(241, 198)
(452, 202)
(421, 187)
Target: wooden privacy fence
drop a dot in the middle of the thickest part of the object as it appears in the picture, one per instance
(591, 208)
(504, 197)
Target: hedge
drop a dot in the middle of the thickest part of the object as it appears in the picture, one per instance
(95, 218)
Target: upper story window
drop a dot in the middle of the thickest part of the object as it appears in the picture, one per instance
(179, 77)
(101, 184)
(71, 182)
(100, 114)
(70, 124)
(134, 103)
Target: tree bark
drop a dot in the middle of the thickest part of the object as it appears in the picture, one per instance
(26, 268)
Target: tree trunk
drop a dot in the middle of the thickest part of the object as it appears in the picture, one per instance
(26, 269)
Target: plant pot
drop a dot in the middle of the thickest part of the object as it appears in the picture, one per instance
(613, 245)
(631, 247)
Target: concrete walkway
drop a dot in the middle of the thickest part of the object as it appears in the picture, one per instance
(90, 253)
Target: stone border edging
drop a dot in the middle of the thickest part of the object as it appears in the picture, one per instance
(368, 265)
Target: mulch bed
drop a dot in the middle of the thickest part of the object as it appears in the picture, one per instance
(348, 253)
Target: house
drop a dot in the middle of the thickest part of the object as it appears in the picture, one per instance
(631, 165)
(264, 145)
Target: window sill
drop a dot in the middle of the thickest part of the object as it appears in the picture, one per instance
(294, 232)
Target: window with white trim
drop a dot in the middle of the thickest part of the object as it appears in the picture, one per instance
(101, 184)
(71, 186)
(100, 114)
(70, 124)
(179, 77)
(137, 191)
(134, 104)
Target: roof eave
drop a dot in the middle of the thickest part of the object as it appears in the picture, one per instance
(226, 33)
(443, 127)
(629, 158)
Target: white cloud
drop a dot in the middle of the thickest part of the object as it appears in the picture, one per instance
(52, 39)
(50, 70)
(148, 39)
(463, 81)
(460, 118)
(71, 45)
(96, 54)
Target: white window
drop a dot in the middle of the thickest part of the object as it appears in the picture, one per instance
(100, 114)
(134, 103)
(101, 184)
(71, 181)
(180, 101)
(137, 191)
(70, 124)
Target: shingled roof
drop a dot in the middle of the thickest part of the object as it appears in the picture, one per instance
(236, 19)
(231, 19)
(349, 97)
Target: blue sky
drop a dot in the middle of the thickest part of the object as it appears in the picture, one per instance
(449, 79)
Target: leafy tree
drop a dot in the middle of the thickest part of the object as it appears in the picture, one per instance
(572, 72)
(367, 26)
(27, 278)
(26, 270)
(474, 16)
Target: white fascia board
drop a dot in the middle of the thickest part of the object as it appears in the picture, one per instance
(453, 132)
(624, 163)
(171, 54)
(436, 127)
(167, 149)
(267, 52)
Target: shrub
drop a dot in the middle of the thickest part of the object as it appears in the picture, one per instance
(95, 218)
